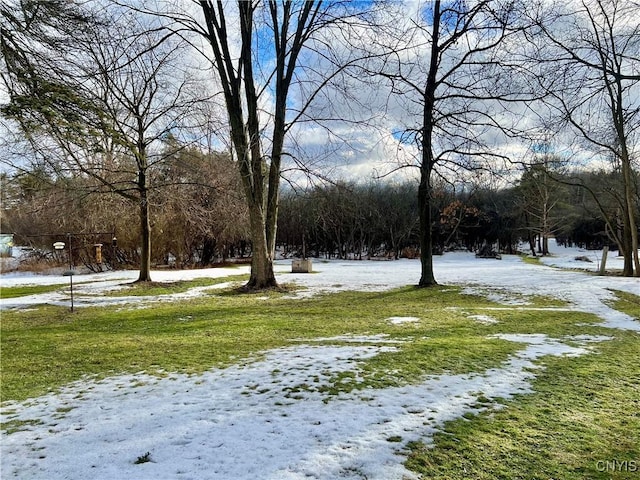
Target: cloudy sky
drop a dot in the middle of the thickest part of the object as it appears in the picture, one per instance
(360, 125)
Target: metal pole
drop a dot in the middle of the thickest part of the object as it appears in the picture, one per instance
(71, 288)
(70, 269)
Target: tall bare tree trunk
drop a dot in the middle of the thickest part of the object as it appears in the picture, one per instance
(427, 277)
(145, 230)
(626, 243)
(262, 274)
(631, 256)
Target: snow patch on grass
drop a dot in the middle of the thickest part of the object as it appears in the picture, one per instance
(401, 320)
(265, 419)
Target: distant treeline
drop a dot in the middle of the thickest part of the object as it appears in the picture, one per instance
(348, 220)
(199, 219)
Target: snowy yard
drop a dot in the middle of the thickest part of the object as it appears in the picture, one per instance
(242, 423)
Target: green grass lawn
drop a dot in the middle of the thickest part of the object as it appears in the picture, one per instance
(584, 409)
(146, 289)
(582, 422)
(24, 290)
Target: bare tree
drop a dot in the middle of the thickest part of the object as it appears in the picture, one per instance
(145, 97)
(448, 67)
(259, 53)
(539, 197)
(590, 52)
(103, 107)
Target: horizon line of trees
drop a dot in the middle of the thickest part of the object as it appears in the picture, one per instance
(197, 214)
(377, 219)
(196, 225)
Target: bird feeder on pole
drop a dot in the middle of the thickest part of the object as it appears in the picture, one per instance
(69, 273)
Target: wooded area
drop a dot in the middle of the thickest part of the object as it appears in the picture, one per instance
(196, 132)
(202, 225)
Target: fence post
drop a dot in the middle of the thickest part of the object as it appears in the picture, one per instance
(603, 262)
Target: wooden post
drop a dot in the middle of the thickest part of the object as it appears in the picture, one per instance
(603, 262)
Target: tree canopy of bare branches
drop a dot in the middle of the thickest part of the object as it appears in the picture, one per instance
(448, 68)
(101, 103)
(589, 52)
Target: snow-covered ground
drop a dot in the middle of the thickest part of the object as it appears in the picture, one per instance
(242, 423)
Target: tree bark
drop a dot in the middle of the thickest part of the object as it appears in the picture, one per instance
(631, 260)
(145, 230)
(626, 244)
(262, 275)
(427, 278)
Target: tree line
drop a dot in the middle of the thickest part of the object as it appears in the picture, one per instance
(357, 221)
(197, 214)
(200, 221)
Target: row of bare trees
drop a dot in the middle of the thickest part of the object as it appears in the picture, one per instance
(197, 214)
(348, 220)
(98, 87)
(381, 220)
(195, 224)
